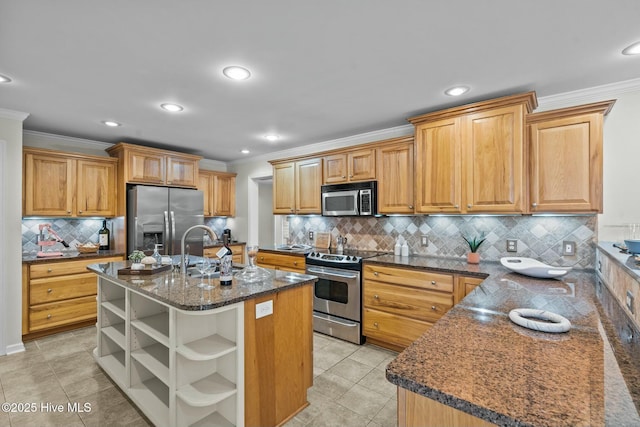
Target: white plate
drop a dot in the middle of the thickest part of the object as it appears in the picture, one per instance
(533, 268)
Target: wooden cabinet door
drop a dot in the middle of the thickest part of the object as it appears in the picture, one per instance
(566, 164)
(96, 188)
(362, 165)
(335, 169)
(182, 171)
(395, 178)
(494, 160)
(48, 185)
(284, 189)
(205, 184)
(308, 182)
(146, 168)
(224, 195)
(438, 179)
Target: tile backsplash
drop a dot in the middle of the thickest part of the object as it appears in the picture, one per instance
(538, 237)
(77, 231)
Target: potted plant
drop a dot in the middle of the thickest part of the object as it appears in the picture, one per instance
(473, 257)
(136, 256)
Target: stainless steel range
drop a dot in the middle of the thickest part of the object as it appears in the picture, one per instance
(337, 296)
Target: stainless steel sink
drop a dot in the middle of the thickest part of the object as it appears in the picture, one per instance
(294, 248)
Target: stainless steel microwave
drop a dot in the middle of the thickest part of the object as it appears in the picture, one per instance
(352, 199)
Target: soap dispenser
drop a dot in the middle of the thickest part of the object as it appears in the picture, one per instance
(397, 248)
(156, 254)
(405, 248)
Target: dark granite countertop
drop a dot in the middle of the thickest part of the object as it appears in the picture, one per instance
(476, 360)
(182, 292)
(32, 258)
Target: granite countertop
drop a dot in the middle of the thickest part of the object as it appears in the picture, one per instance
(32, 258)
(476, 360)
(182, 291)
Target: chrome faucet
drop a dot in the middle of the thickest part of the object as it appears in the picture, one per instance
(183, 265)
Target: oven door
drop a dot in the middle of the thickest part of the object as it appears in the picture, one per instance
(337, 292)
(340, 203)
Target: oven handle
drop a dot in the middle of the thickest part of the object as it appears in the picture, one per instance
(334, 319)
(331, 273)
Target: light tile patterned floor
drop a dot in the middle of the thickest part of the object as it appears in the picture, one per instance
(349, 388)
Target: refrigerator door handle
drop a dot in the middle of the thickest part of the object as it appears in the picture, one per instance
(165, 246)
(174, 238)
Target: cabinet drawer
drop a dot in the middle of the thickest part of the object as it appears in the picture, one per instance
(51, 269)
(391, 328)
(409, 277)
(54, 314)
(287, 262)
(418, 304)
(62, 287)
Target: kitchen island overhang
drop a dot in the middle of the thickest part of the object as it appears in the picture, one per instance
(179, 351)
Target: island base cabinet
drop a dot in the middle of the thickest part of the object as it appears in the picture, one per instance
(179, 367)
(419, 411)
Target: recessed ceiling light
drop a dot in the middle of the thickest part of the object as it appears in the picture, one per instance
(236, 73)
(245, 151)
(4, 79)
(111, 123)
(272, 137)
(174, 108)
(634, 49)
(457, 90)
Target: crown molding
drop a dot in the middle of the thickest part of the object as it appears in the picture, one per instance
(362, 138)
(68, 140)
(588, 95)
(13, 115)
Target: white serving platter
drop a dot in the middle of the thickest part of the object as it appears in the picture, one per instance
(533, 268)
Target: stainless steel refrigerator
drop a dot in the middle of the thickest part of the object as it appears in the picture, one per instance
(162, 215)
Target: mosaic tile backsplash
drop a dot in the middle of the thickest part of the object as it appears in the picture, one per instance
(77, 231)
(538, 237)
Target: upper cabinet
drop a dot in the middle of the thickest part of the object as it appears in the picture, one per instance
(296, 186)
(350, 166)
(566, 159)
(471, 159)
(219, 189)
(394, 161)
(144, 165)
(68, 184)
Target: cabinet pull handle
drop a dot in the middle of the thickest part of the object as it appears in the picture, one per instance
(456, 206)
(295, 262)
(48, 316)
(343, 177)
(600, 266)
(49, 290)
(410, 206)
(49, 270)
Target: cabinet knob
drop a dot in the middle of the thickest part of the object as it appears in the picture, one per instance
(69, 212)
(49, 290)
(469, 205)
(49, 270)
(48, 316)
(375, 324)
(434, 308)
(433, 282)
(375, 273)
(376, 297)
(295, 262)
(456, 206)
(293, 210)
(343, 177)
(534, 205)
(79, 211)
(600, 266)
(410, 206)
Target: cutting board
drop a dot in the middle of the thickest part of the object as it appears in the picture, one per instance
(323, 240)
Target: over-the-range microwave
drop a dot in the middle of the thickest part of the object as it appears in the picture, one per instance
(352, 199)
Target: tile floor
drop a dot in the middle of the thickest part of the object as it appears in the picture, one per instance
(349, 388)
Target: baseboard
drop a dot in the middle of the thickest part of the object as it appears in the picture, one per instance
(15, 348)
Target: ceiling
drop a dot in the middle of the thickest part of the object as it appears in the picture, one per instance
(321, 69)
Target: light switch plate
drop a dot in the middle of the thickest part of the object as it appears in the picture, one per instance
(512, 245)
(568, 248)
(311, 235)
(264, 309)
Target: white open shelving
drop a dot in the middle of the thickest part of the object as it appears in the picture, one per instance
(179, 367)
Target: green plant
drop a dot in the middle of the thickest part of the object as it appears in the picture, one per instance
(136, 256)
(474, 243)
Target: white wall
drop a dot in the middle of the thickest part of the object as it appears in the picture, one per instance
(10, 232)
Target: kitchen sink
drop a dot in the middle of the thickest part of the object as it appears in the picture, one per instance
(296, 248)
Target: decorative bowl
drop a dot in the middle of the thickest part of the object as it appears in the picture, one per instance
(633, 246)
(533, 268)
(88, 248)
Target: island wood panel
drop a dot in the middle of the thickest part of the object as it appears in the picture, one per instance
(419, 411)
(278, 357)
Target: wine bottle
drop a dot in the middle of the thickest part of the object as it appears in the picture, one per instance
(103, 236)
(226, 260)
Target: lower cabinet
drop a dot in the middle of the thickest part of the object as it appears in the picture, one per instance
(179, 367)
(286, 262)
(238, 252)
(58, 295)
(400, 304)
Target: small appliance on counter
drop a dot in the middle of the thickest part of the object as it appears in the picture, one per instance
(48, 237)
(226, 232)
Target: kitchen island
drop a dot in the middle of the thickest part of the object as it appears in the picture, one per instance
(188, 356)
(475, 367)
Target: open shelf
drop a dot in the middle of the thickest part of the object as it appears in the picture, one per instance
(207, 391)
(206, 348)
(116, 307)
(156, 359)
(156, 326)
(116, 333)
(114, 365)
(215, 419)
(153, 396)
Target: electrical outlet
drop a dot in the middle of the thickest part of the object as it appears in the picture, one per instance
(568, 248)
(630, 302)
(424, 240)
(311, 235)
(512, 245)
(264, 309)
